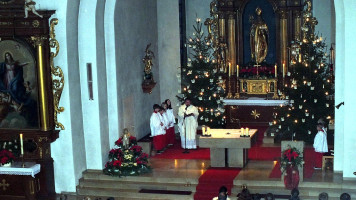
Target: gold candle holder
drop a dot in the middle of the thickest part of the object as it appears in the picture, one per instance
(275, 95)
(229, 94)
(22, 161)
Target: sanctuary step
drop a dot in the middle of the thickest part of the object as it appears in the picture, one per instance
(307, 190)
(95, 184)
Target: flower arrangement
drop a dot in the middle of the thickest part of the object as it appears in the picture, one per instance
(6, 157)
(291, 157)
(126, 161)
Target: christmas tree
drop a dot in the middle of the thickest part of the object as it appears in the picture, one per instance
(308, 86)
(202, 80)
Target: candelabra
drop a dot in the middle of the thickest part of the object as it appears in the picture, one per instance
(229, 94)
(237, 94)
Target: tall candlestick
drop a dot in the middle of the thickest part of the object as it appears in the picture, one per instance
(21, 142)
(283, 70)
(230, 69)
(237, 71)
(275, 70)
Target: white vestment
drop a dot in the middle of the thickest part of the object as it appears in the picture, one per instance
(155, 124)
(164, 119)
(171, 118)
(188, 126)
(320, 142)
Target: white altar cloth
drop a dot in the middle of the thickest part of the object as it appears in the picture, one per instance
(30, 169)
(255, 101)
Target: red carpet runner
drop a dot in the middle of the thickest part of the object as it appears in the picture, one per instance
(211, 181)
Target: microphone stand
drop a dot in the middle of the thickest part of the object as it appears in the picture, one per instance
(185, 137)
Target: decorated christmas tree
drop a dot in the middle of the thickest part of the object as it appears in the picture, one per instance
(308, 86)
(202, 80)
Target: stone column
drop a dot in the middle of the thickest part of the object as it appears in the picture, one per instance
(297, 25)
(231, 42)
(222, 33)
(283, 39)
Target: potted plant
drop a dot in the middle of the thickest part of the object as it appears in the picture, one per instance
(290, 161)
(6, 158)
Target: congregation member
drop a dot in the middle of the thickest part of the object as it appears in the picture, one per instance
(320, 145)
(222, 194)
(323, 196)
(188, 124)
(171, 121)
(157, 129)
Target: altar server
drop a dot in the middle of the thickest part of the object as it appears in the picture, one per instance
(164, 119)
(157, 129)
(188, 123)
(320, 145)
(171, 135)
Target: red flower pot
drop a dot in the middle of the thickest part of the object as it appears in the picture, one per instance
(291, 177)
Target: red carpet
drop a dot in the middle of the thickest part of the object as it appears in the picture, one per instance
(308, 166)
(176, 152)
(211, 181)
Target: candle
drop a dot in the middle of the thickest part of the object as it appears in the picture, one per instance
(247, 131)
(300, 58)
(208, 131)
(242, 132)
(275, 70)
(283, 71)
(203, 130)
(21, 142)
(229, 69)
(237, 71)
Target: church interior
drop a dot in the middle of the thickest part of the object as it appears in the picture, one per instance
(256, 99)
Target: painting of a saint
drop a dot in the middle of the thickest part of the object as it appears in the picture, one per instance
(18, 95)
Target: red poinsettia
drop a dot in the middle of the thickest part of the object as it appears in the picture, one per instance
(6, 156)
(117, 163)
(118, 142)
(136, 148)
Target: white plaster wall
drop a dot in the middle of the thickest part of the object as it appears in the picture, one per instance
(88, 54)
(135, 27)
(324, 11)
(339, 85)
(110, 52)
(168, 49)
(350, 95)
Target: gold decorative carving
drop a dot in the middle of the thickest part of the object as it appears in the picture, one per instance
(40, 139)
(41, 152)
(5, 23)
(4, 185)
(255, 114)
(35, 23)
(57, 75)
(32, 187)
(258, 86)
(6, 2)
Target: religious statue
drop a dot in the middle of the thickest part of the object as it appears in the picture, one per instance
(147, 60)
(126, 138)
(30, 6)
(258, 38)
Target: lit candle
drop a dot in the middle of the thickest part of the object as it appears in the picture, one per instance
(283, 70)
(275, 70)
(242, 131)
(21, 142)
(229, 69)
(300, 58)
(247, 131)
(237, 71)
(203, 130)
(208, 130)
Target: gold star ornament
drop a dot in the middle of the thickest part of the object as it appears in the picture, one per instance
(255, 114)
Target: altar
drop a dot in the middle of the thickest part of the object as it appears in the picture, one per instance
(228, 143)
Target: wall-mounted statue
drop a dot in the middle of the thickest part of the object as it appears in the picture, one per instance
(148, 82)
(258, 37)
(30, 6)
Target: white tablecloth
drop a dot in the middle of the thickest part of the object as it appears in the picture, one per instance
(255, 102)
(31, 169)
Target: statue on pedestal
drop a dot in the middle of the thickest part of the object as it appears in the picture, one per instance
(126, 138)
(258, 38)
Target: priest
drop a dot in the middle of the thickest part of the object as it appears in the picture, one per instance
(188, 124)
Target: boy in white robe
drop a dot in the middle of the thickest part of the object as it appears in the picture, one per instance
(164, 119)
(157, 129)
(188, 124)
(171, 135)
(320, 145)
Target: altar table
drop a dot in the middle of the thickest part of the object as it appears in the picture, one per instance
(19, 183)
(236, 147)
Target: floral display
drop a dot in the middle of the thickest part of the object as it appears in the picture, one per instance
(6, 157)
(130, 161)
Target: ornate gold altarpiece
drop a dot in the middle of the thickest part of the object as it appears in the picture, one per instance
(288, 19)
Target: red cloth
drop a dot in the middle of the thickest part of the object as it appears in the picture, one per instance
(170, 135)
(159, 142)
(318, 161)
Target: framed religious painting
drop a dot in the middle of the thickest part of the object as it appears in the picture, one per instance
(19, 106)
